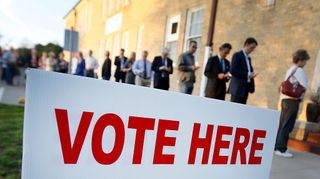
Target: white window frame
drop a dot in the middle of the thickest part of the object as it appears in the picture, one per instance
(116, 44)
(108, 45)
(101, 50)
(140, 38)
(187, 37)
(271, 2)
(125, 40)
(171, 20)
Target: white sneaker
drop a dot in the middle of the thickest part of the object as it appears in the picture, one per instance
(283, 154)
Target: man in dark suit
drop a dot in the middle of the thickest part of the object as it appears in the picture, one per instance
(162, 67)
(242, 81)
(106, 68)
(119, 62)
(217, 71)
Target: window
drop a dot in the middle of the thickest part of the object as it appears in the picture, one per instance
(139, 41)
(174, 28)
(271, 2)
(101, 51)
(125, 40)
(104, 9)
(194, 28)
(108, 45)
(173, 46)
(116, 45)
(172, 35)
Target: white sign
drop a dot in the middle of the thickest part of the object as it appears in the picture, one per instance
(77, 127)
(113, 24)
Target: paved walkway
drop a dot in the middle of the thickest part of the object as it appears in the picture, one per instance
(302, 166)
(11, 94)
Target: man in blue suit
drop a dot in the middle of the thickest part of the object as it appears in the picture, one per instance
(242, 81)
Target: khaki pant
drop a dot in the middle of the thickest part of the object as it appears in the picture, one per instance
(143, 82)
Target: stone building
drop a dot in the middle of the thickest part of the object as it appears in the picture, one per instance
(280, 26)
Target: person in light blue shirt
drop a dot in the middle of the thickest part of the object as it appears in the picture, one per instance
(142, 70)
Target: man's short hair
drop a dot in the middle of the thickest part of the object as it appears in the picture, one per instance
(300, 55)
(225, 46)
(250, 40)
(122, 50)
(192, 42)
(145, 52)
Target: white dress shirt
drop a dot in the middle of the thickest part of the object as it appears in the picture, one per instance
(91, 63)
(248, 65)
(138, 68)
(222, 62)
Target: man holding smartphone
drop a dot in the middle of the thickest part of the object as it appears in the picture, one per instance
(217, 71)
(242, 81)
(187, 69)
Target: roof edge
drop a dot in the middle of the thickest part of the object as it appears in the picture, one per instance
(71, 9)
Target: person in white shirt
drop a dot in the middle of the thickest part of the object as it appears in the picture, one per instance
(74, 63)
(91, 65)
(142, 70)
(290, 105)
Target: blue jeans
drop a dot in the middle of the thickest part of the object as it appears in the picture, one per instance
(9, 73)
(186, 87)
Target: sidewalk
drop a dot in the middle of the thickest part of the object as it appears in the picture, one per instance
(11, 94)
(301, 166)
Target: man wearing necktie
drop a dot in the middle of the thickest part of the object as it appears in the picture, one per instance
(162, 67)
(242, 81)
(119, 62)
(142, 70)
(217, 71)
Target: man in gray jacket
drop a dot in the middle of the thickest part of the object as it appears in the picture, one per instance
(187, 68)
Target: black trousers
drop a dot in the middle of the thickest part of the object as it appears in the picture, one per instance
(240, 99)
(162, 84)
(90, 73)
(289, 112)
(122, 79)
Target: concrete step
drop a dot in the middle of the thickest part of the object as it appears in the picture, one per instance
(303, 128)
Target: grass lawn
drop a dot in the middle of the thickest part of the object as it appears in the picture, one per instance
(11, 121)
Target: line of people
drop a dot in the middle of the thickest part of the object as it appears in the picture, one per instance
(128, 70)
(13, 64)
(239, 72)
(241, 75)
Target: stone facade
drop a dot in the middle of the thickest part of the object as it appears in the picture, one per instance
(281, 27)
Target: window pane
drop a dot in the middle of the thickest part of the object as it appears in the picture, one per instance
(173, 50)
(196, 22)
(174, 28)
